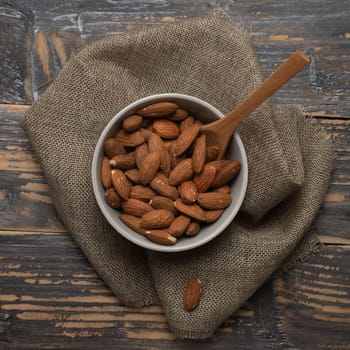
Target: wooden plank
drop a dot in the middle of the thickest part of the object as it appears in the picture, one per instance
(26, 204)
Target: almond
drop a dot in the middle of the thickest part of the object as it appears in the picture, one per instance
(188, 192)
(149, 167)
(186, 138)
(219, 164)
(179, 226)
(179, 115)
(143, 193)
(192, 229)
(175, 160)
(161, 237)
(199, 154)
(225, 189)
(192, 294)
(112, 148)
(182, 172)
(113, 199)
(133, 222)
(106, 176)
(167, 164)
(133, 175)
(160, 202)
(226, 174)
(186, 123)
(156, 110)
(146, 133)
(161, 185)
(156, 144)
(158, 218)
(166, 129)
(193, 210)
(212, 152)
(136, 207)
(121, 183)
(214, 200)
(213, 215)
(141, 152)
(132, 123)
(130, 139)
(123, 161)
(204, 180)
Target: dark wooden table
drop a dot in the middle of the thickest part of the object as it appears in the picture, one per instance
(51, 297)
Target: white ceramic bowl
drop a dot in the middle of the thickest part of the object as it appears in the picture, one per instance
(206, 113)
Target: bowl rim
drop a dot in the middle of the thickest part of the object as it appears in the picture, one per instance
(101, 204)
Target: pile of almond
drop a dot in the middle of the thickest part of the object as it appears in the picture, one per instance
(162, 174)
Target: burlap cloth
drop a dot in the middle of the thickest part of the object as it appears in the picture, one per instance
(290, 162)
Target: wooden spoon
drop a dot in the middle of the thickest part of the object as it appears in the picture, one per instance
(220, 132)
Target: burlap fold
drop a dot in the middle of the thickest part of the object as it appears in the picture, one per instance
(289, 165)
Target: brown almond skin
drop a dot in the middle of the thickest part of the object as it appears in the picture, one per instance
(136, 207)
(132, 123)
(204, 180)
(186, 123)
(188, 192)
(106, 175)
(156, 144)
(113, 199)
(123, 161)
(121, 183)
(213, 215)
(133, 222)
(214, 200)
(133, 175)
(160, 202)
(219, 164)
(142, 193)
(194, 211)
(146, 133)
(192, 229)
(179, 115)
(192, 294)
(129, 139)
(156, 110)
(166, 129)
(167, 164)
(212, 152)
(225, 189)
(226, 174)
(149, 167)
(160, 237)
(157, 219)
(141, 152)
(112, 148)
(179, 226)
(161, 185)
(199, 154)
(186, 138)
(181, 173)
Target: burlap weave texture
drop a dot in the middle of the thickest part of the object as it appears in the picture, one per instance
(289, 165)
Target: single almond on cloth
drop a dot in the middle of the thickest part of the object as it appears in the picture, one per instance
(156, 219)
(188, 192)
(156, 144)
(166, 129)
(113, 199)
(143, 193)
(123, 161)
(179, 226)
(186, 138)
(182, 172)
(133, 175)
(199, 154)
(149, 167)
(129, 139)
(106, 171)
(156, 110)
(112, 148)
(136, 207)
(179, 115)
(214, 200)
(121, 183)
(132, 123)
(213, 215)
(160, 202)
(161, 185)
(192, 229)
(141, 152)
(133, 222)
(160, 237)
(205, 179)
(192, 210)
(192, 294)
(226, 174)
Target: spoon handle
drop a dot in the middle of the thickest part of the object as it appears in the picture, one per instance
(278, 78)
